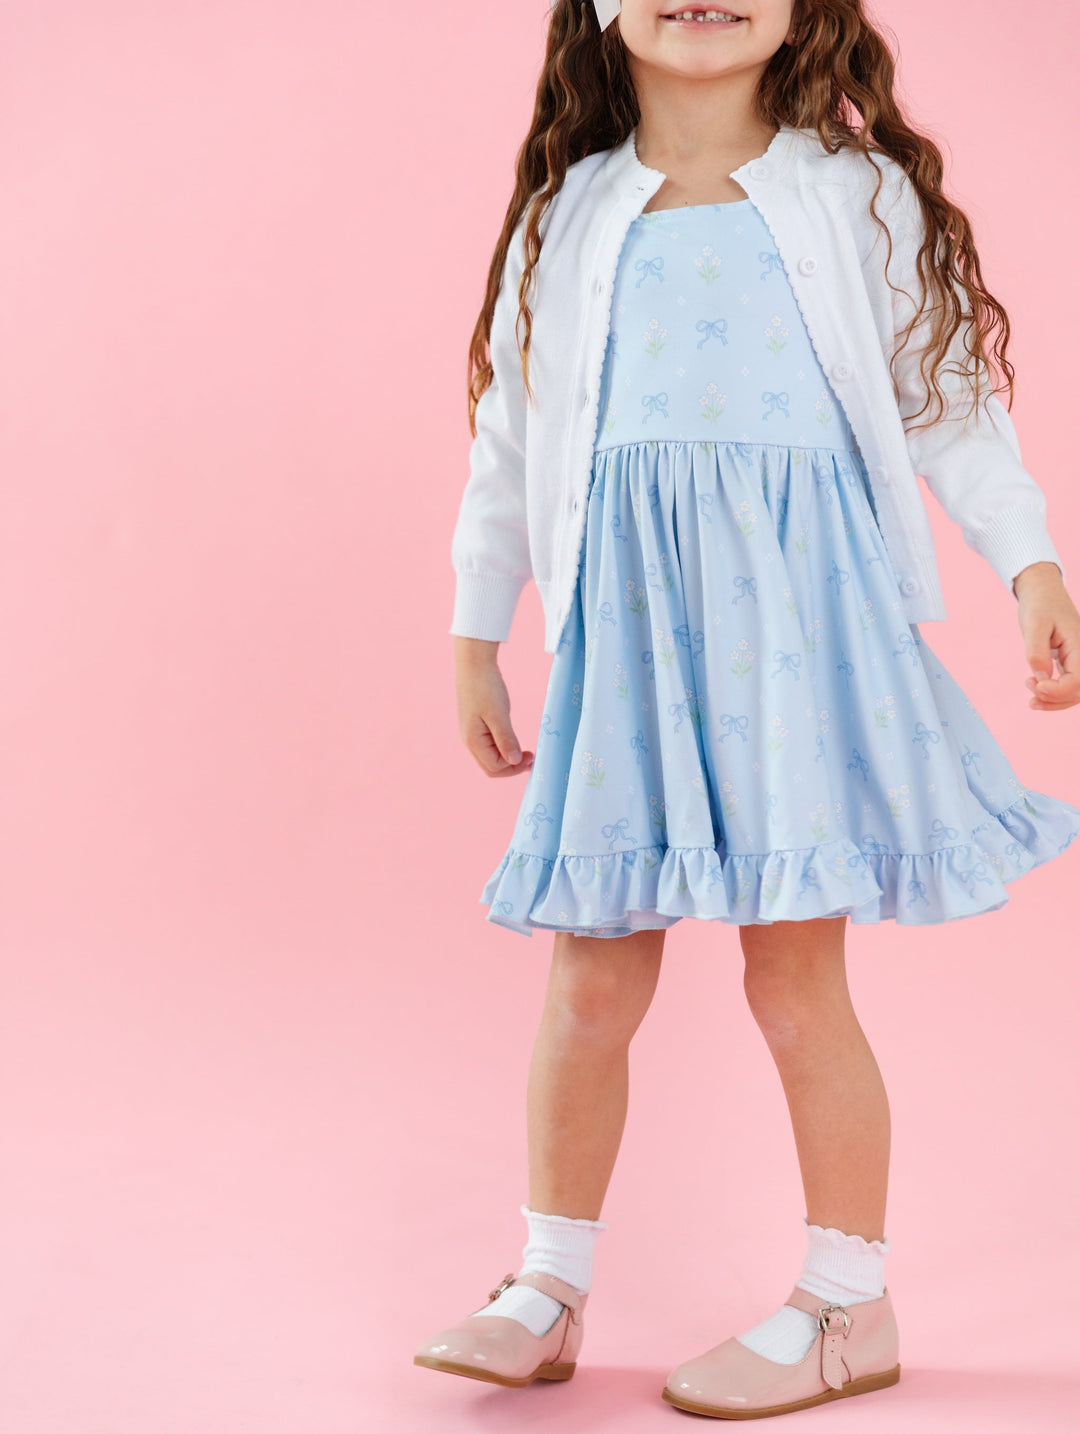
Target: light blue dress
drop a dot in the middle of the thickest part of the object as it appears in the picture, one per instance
(739, 723)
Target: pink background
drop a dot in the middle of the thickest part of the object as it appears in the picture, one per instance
(262, 1060)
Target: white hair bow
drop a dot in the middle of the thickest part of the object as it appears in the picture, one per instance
(606, 10)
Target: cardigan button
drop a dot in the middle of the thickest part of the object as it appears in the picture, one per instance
(880, 475)
(909, 586)
(841, 370)
(807, 265)
(758, 170)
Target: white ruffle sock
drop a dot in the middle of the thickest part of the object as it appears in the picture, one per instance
(841, 1269)
(557, 1245)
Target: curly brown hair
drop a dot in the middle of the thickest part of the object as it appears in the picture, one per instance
(840, 66)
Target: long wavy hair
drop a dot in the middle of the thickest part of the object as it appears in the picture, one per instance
(839, 66)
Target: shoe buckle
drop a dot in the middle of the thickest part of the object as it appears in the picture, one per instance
(823, 1320)
(504, 1283)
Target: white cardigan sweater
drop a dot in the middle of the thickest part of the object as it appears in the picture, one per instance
(522, 513)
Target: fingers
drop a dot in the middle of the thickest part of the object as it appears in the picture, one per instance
(1050, 693)
(1055, 699)
(497, 749)
(484, 711)
(507, 744)
(524, 765)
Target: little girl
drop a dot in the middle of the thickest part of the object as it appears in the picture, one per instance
(701, 439)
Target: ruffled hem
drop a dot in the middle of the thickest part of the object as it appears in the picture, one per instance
(647, 888)
(568, 1219)
(839, 1240)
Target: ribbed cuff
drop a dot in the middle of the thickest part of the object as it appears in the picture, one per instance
(564, 1219)
(484, 604)
(1016, 537)
(562, 1246)
(842, 1268)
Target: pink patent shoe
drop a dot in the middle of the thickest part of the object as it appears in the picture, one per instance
(856, 1351)
(501, 1350)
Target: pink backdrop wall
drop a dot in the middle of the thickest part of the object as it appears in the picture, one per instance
(252, 1146)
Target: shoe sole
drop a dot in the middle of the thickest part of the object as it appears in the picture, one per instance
(542, 1371)
(863, 1385)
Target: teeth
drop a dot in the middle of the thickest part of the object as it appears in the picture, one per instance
(710, 15)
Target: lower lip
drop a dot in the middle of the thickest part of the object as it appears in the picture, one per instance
(703, 24)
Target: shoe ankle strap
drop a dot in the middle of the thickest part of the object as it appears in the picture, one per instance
(834, 1321)
(551, 1285)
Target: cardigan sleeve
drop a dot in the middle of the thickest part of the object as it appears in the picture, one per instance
(490, 544)
(970, 459)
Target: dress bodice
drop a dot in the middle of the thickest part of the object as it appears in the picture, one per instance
(706, 340)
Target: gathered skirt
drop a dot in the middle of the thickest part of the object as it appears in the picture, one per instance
(739, 724)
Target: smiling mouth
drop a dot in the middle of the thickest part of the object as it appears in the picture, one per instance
(704, 15)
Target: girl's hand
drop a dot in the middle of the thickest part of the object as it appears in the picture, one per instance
(1051, 627)
(484, 710)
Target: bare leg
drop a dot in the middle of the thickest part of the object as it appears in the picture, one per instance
(598, 991)
(796, 986)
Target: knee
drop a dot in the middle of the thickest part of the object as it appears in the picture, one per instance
(794, 982)
(778, 1014)
(601, 1002)
(777, 995)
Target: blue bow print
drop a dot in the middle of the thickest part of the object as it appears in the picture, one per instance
(648, 267)
(712, 329)
(617, 831)
(925, 734)
(839, 576)
(682, 632)
(771, 262)
(734, 724)
(538, 814)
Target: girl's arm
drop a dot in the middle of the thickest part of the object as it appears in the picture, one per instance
(971, 462)
(970, 459)
(490, 546)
